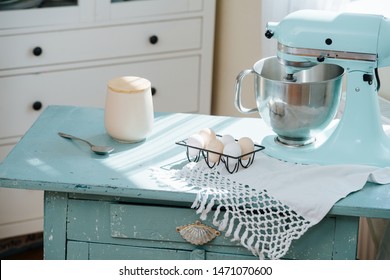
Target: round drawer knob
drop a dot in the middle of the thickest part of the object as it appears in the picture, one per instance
(153, 39)
(37, 51)
(37, 105)
(154, 90)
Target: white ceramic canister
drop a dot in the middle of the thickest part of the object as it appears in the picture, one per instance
(129, 111)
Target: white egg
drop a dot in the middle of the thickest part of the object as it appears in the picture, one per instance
(232, 149)
(207, 135)
(247, 146)
(226, 139)
(214, 145)
(196, 141)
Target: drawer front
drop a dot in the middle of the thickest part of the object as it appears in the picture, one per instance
(50, 48)
(155, 227)
(176, 92)
(151, 223)
(137, 226)
(137, 9)
(134, 222)
(20, 18)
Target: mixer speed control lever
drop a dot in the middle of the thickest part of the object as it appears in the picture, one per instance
(368, 78)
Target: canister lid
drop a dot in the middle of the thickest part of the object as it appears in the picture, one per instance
(128, 84)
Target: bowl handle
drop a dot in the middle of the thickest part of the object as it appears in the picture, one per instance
(237, 102)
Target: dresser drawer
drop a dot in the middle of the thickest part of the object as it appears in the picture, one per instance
(49, 48)
(136, 9)
(177, 92)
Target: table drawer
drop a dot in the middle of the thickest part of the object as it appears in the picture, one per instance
(152, 223)
(143, 226)
(38, 49)
(159, 223)
(130, 224)
(87, 87)
(149, 226)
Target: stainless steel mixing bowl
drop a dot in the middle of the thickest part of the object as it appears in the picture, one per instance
(296, 110)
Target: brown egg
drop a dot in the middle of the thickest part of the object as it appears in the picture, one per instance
(207, 135)
(214, 145)
(247, 146)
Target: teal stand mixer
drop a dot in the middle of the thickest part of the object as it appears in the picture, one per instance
(358, 44)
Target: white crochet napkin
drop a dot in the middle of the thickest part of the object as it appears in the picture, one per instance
(310, 190)
(271, 203)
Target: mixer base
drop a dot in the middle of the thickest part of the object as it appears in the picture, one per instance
(326, 154)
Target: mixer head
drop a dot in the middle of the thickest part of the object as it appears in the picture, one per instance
(309, 37)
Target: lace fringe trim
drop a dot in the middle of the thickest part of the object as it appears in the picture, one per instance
(259, 222)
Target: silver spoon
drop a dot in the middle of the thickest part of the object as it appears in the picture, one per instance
(100, 150)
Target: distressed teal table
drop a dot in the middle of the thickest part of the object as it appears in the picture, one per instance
(111, 208)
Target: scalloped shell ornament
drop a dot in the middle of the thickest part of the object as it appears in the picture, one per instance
(197, 233)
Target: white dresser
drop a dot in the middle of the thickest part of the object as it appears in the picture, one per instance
(64, 55)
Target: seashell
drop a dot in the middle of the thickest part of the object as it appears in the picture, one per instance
(197, 233)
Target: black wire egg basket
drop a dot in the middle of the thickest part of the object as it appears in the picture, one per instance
(231, 163)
